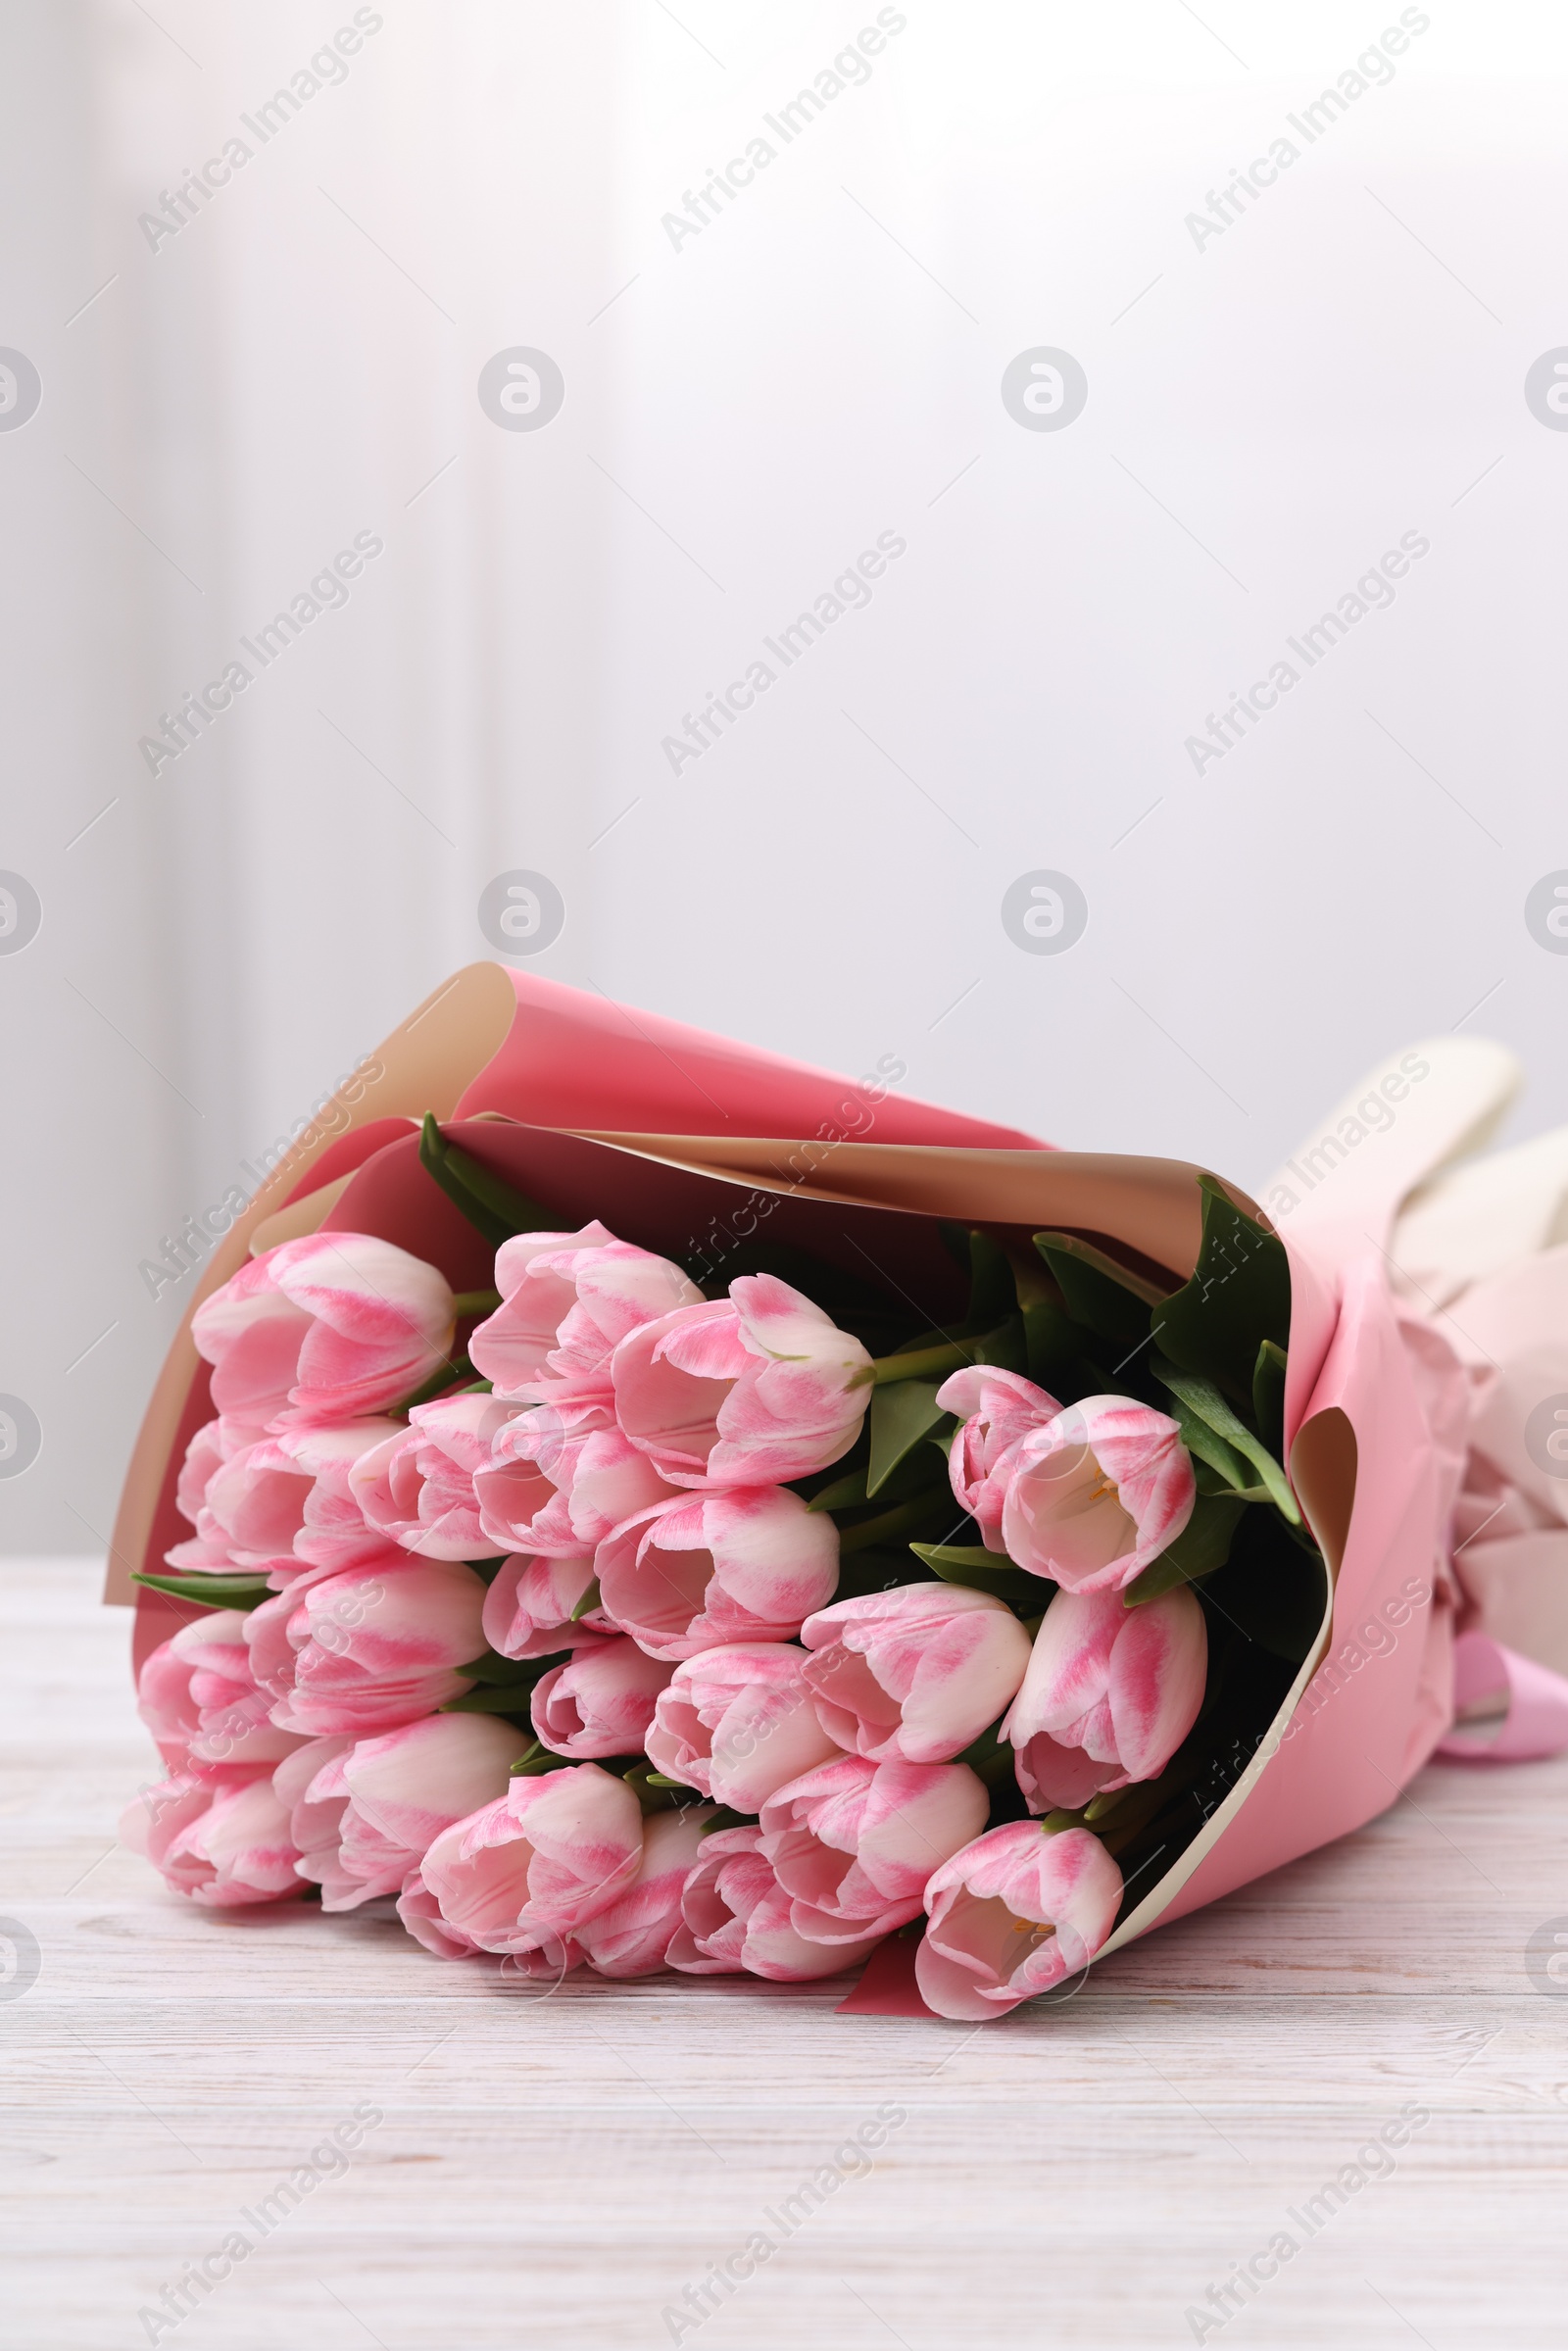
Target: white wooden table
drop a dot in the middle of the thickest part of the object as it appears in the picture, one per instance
(551, 2174)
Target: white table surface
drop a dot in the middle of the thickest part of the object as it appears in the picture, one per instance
(552, 2173)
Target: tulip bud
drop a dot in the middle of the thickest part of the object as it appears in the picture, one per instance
(1097, 1493)
(998, 1410)
(735, 1917)
(1110, 1694)
(853, 1843)
(751, 1389)
(565, 1301)
(222, 1838)
(199, 1696)
(599, 1702)
(370, 1648)
(417, 1487)
(325, 1328)
(916, 1673)
(747, 1563)
(738, 1722)
(522, 1874)
(365, 1812)
(1011, 1915)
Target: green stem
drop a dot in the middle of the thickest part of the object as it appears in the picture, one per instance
(474, 1301)
(926, 1362)
(872, 1531)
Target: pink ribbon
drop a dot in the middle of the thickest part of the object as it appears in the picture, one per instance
(1529, 1717)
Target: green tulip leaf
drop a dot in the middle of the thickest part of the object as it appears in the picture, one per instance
(212, 1591)
(902, 1413)
(511, 1673)
(1107, 1299)
(1205, 1407)
(992, 1293)
(488, 1202)
(844, 1494)
(1200, 1548)
(984, 1571)
(1239, 1297)
(1268, 1395)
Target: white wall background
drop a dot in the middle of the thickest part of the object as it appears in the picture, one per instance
(1266, 414)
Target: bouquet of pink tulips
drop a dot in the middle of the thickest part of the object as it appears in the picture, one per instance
(621, 1546)
(721, 1608)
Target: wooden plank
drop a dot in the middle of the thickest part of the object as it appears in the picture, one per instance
(556, 2171)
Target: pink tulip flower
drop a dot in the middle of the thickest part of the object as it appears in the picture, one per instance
(365, 1813)
(522, 1874)
(735, 1917)
(744, 1564)
(751, 1390)
(212, 1556)
(528, 1607)
(325, 1328)
(632, 1937)
(565, 1300)
(368, 1649)
(997, 1408)
(1097, 1493)
(205, 1455)
(561, 1478)
(222, 1449)
(254, 1503)
(199, 1699)
(309, 1785)
(416, 1487)
(1110, 1694)
(738, 1722)
(1011, 1916)
(333, 1532)
(916, 1674)
(854, 1842)
(222, 1838)
(421, 1914)
(599, 1702)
